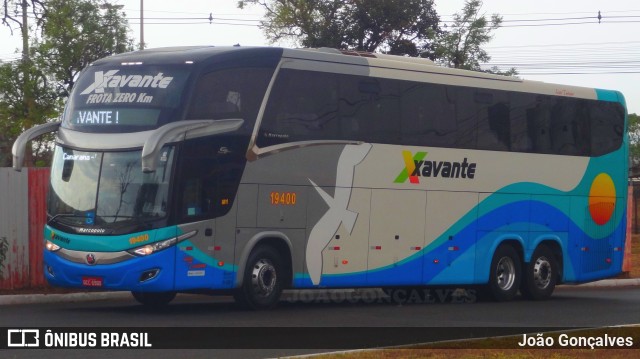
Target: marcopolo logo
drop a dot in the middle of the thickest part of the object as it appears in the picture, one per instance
(416, 166)
(111, 79)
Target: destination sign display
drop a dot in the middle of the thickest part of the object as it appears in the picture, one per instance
(111, 117)
(125, 98)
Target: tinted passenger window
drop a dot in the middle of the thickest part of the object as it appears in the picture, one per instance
(607, 127)
(303, 106)
(230, 93)
(428, 115)
(369, 109)
(307, 105)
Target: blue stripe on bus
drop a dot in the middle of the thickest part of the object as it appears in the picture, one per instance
(465, 270)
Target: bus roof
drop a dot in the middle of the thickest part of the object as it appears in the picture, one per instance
(182, 54)
(382, 62)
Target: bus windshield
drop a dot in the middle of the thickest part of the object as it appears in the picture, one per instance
(105, 188)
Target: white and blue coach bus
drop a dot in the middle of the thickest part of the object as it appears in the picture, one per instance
(253, 170)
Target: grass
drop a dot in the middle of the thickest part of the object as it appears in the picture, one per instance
(488, 354)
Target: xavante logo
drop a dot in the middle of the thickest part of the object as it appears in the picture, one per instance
(416, 166)
(410, 167)
(110, 79)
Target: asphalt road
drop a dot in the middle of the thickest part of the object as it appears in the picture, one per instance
(569, 307)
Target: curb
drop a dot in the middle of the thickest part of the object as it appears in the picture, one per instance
(613, 283)
(19, 299)
(58, 298)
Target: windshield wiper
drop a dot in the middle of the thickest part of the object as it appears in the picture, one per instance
(62, 215)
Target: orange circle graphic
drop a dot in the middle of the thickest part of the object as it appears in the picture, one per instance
(602, 199)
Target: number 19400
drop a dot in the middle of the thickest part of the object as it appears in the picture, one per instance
(283, 198)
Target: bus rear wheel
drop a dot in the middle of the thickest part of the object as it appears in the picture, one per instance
(263, 279)
(540, 275)
(505, 274)
(154, 299)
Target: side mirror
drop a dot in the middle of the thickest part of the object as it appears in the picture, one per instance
(20, 145)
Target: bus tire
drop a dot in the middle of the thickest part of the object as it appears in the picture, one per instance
(154, 299)
(505, 274)
(263, 279)
(540, 274)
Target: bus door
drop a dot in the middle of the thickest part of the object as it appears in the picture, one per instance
(209, 173)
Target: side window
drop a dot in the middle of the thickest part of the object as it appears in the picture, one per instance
(494, 122)
(539, 124)
(467, 113)
(369, 108)
(428, 115)
(607, 127)
(567, 128)
(307, 105)
(230, 93)
(520, 140)
(303, 106)
(210, 170)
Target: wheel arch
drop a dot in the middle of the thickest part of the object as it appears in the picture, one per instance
(279, 241)
(510, 239)
(555, 245)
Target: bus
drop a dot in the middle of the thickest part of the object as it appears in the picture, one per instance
(250, 170)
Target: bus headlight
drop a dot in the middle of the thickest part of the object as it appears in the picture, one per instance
(154, 247)
(51, 247)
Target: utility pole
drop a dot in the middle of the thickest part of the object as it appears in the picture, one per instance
(25, 32)
(27, 96)
(141, 24)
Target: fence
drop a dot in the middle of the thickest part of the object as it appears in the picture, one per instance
(635, 208)
(22, 218)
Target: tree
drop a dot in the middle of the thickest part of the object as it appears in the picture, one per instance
(19, 112)
(460, 45)
(76, 33)
(23, 71)
(390, 26)
(70, 35)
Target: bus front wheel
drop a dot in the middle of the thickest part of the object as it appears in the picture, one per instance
(263, 279)
(505, 274)
(154, 299)
(540, 274)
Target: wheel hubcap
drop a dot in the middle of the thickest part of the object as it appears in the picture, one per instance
(542, 273)
(263, 278)
(505, 273)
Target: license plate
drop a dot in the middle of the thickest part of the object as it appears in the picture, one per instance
(92, 281)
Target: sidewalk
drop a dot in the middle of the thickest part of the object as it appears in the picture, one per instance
(96, 296)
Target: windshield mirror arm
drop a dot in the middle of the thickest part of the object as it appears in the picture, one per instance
(20, 145)
(171, 132)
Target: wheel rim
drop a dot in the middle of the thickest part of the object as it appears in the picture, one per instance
(542, 272)
(263, 278)
(505, 273)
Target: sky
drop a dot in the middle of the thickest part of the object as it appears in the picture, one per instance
(545, 40)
